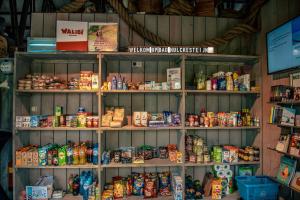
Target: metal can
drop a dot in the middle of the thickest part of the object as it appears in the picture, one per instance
(200, 158)
(89, 122)
(73, 121)
(206, 158)
(191, 120)
(50, 121)
(234, 119)
(81, 120)
(208, 85)
(96, 122)
(49, 157)
(196, 120)
(214, 83)
(62, 120)
(56, 120)
(58, 110)
(68, 121)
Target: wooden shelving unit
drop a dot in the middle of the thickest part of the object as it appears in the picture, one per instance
(141, 91)
(224, 128)
(288, 103)
(133, 128)
(214, 163)
(292, 188)
(59, 167)
(156, 162)
(222, 92)
(57, 129)
(292, 104)
(284, 153)
(56, 91)
(68, 64)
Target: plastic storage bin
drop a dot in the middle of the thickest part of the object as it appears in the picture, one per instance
(257, 187)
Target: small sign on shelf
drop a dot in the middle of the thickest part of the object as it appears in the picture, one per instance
(170, 49)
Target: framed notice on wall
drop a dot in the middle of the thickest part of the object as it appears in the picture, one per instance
(103, 37)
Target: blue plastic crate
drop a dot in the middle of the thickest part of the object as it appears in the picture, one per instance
(257, 187)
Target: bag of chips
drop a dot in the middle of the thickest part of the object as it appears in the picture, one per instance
(138, 184)
(164, 184)
(150, 189)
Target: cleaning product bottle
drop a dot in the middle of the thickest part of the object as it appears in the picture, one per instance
(114, 83)
(119, 83)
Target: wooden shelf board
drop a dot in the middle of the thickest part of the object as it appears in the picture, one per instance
(247, 59)
(127, 56)
(57, 129)
(188, 164)
(275, 180)
(157, 198)
(285, 126)
(222, 128)
(57, 91)
(137, 91)
(133, 128)
(286, 103)
(59, 167)
(233, 196)
(287, 154)
(63, 56)
(70, 197)
(141, 91)
(156, 162)
(221, 92)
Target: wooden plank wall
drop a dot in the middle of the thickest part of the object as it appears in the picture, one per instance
(181, 30)
(273, 14)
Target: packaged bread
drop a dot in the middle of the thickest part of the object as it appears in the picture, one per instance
(119, 114)
(136, 119)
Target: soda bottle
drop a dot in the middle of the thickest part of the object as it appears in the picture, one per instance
(76, 155)
(49, 157)
(82, 154)
(55, 157)
(95, 154)
(70, 184)
(62, 153)
(89, 153)
(69, 155)
(76, 185)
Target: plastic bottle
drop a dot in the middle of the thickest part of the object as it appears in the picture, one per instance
(69, 154)
(75, 186)
(119, 83)
(76, 155)
(81, 181)
(114, 83)
(87, 182)
(70, 184)
(89, 153)
(229, 81)
(82, 154)
(109, 86)
(95, 154)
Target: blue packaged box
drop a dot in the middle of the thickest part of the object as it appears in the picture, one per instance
(36, 44)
